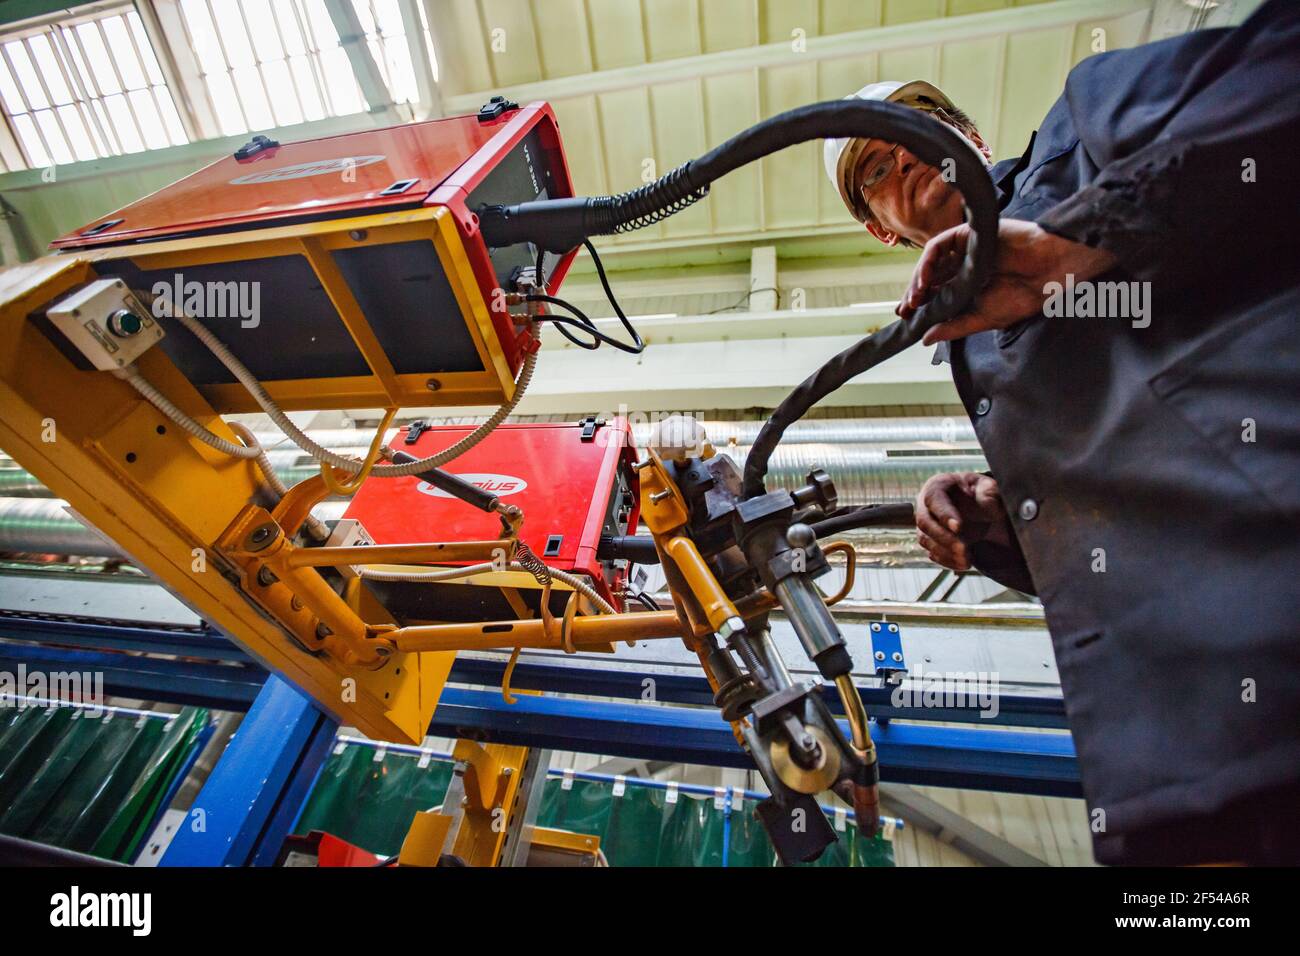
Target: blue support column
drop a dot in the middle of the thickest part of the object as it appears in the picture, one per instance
(254, 793)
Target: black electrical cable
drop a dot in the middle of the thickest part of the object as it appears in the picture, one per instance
(646, 601)
(609, 294)
(580, 319)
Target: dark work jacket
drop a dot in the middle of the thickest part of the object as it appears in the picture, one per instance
(1168, 455)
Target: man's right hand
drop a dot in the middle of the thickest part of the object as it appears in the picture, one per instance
(957, 510)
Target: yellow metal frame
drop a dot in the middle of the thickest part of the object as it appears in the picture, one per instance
(166, 500)
(314, 242)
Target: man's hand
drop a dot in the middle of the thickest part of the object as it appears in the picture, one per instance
(954, 511)
(1028, 259)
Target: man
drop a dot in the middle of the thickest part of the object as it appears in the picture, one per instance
(1145, 465)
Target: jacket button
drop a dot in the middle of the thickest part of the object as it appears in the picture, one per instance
(982, 406)
(1029, 509)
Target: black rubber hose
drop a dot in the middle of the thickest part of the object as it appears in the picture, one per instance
(894, 515)
(559, 225)
(453, 485)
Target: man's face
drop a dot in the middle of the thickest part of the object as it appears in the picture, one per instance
(911, 200)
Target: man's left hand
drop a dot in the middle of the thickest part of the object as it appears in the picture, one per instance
(1028, 259)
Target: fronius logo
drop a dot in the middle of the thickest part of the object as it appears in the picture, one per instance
(499, 485)
(302, 170)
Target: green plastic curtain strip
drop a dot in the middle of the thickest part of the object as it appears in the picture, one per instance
(91, 779)
(890, 823)
(368, 798)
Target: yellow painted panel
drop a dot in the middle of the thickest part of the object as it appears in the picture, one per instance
(917, 63)
(463, 48)
(957, 8)
(968, 71)
(617, 33)
(563, 38)
(673, 28)
(513, 52)
(580, 132)
(780, 19)
(679, 136)
(728, 24)
(1115, 33)
(1029, 88)
(910, 11)
(730, 105)
(629, 141)
(846, 16)
(790, 176)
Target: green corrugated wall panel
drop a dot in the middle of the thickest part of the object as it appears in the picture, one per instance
(370, 802)
(92, 784)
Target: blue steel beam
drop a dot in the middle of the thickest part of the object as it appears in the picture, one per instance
(979, 759)
(1018, 710)
(244, 811)
(560, 678)
(182, 641)
(976, 758)
(219, 686)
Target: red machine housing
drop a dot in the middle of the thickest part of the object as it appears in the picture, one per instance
(574, 482)
(503, 155)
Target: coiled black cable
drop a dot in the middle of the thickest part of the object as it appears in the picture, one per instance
(651, 203)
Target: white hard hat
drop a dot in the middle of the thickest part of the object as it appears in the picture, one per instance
(841, 155)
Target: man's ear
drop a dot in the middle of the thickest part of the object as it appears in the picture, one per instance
(883, 234)
(974, 136)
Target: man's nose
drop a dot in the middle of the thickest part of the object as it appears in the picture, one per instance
(906, 159)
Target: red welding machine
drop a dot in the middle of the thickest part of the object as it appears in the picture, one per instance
(574, 482)
(365, 252)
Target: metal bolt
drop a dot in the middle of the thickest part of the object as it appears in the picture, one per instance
(357, 235)
(982, 406)
(731, 626)
(1029, 509)
(643, 463)
(659, 496)
(875, 627)
(880, 655)
(266, 577)
(893, 629)
(383, 651)
(433, 384)
(261, 537)
(323, 631)
(898, 657)
(296, 603)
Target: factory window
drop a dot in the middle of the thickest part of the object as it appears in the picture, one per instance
(278, 62)
(83, 87)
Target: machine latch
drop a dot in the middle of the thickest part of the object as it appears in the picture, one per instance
(589, 426)
(255, 146)
(399, 187)
(107, 224)
(414, 431)
(494, 107)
